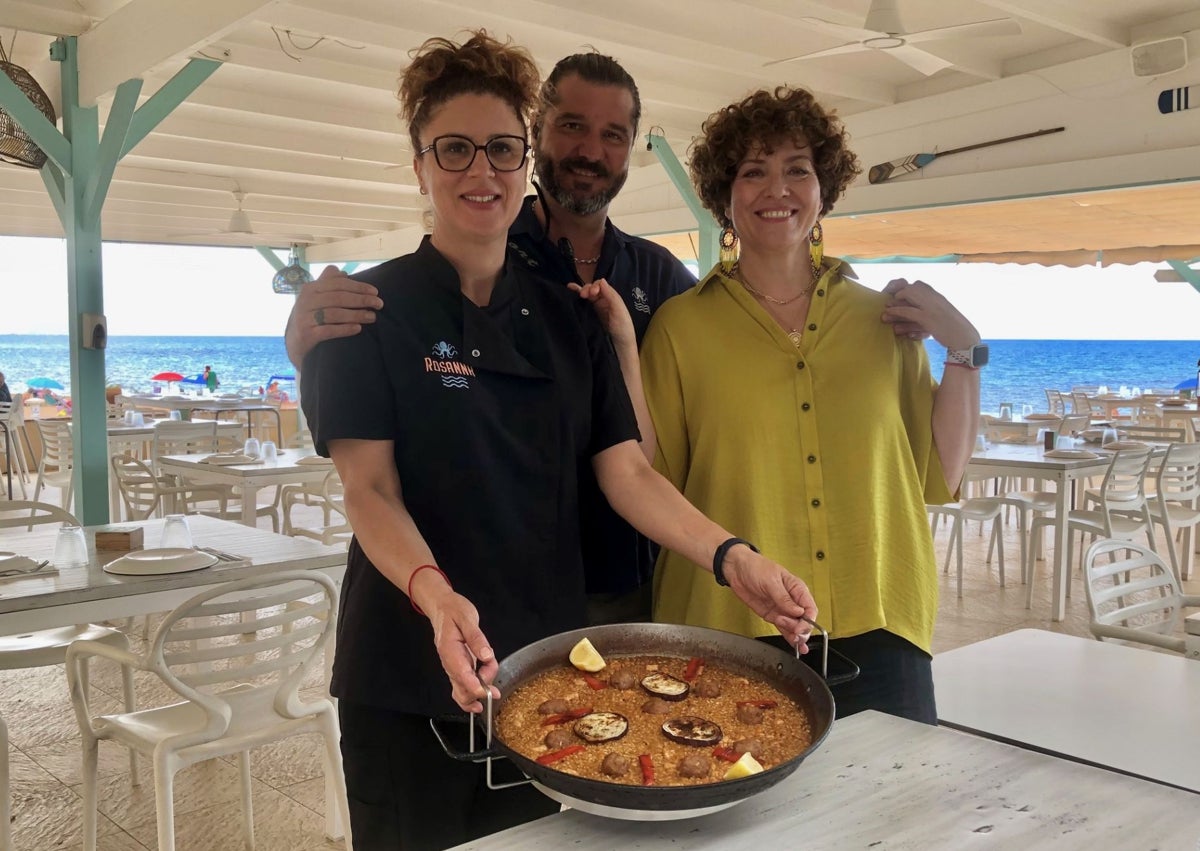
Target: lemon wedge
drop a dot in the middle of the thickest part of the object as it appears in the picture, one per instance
(585, 657)
(744, 767)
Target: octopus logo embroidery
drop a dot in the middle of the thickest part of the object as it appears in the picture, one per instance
(640, 301)
(453, 373)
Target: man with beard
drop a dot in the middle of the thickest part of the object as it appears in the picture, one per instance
(582, 140)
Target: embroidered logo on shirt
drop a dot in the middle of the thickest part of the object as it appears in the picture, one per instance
(454, 373)
(639, 300)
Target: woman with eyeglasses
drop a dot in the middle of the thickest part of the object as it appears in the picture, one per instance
(458, 422)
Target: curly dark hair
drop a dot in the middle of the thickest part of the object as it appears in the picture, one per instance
(442, 69)
(766, 118)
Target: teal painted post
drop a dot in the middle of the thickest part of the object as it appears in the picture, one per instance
(85, 294)
(709, 232)
(1192, 276)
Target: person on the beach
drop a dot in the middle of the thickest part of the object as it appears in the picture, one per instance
(458, 423)
(5, 394)
(210, 379)
(583, 136)
(787, 411)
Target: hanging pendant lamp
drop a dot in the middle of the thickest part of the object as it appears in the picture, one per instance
(291, 277)
(15, 145)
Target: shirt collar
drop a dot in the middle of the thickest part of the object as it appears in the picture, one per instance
(839, 267)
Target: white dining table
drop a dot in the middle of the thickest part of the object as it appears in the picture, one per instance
(1125, 708)
(215, 405)
(1029, 461)
(86, 593)
(287, 469)
(881, 782)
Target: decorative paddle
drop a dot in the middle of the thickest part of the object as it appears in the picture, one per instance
(1177, 100)
(905, 165)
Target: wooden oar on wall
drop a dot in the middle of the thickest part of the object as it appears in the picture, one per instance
(905, 165)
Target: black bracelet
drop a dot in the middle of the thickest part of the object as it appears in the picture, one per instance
(719, 558)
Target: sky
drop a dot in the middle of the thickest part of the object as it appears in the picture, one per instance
(182, 290)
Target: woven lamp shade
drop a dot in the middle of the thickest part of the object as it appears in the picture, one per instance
(15, 146)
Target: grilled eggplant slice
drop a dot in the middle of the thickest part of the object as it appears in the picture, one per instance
(690, 730)
(666, 686)
(599, 727)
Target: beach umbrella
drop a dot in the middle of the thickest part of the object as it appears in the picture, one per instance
(167, 376)
(199, 379)
(43, 383)
(1187, 384)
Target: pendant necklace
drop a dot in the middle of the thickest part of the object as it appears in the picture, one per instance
(795, 334)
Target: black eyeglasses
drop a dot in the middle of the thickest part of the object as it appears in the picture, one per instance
(456, 153)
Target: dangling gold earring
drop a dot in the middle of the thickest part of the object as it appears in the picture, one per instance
(728, 254)
(816, 249)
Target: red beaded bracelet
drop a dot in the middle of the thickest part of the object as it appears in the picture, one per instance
(413, 576)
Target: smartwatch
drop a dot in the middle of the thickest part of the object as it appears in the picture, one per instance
(974, 357)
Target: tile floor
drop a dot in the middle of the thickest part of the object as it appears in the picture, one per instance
(287, 778)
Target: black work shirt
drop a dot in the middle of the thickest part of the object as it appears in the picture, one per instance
(492, 423)
(616, 558)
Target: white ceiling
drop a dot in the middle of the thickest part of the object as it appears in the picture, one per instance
(302, 115)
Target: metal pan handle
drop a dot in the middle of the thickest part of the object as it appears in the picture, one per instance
(488, 754)
(825, 651)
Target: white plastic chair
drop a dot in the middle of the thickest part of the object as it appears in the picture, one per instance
(980, 508)
(236, 655)
(55, 466)
(145, 494)
(45, 647)
(1175, 504)
(329, 496)
(1136, 598)
(14, 460)
(1121, 510)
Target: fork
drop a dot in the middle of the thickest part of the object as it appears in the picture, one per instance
(25, 571)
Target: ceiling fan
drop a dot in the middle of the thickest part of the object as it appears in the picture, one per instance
(884, 31)
(240, 230)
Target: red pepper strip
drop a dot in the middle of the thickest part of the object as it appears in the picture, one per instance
(566, 716)
(555, 756)
(594, 683)
(761, 704)
(727, 754)
(647, 769)
(693, 668)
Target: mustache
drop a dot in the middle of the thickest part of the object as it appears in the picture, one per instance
(584, 163)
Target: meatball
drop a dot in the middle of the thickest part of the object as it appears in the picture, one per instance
(622, 680)
(615, 765)
(707, 688)
(751, 746)
(559, 739)
(694, 765)
(748, 713)
(657, 706)
(554, 706)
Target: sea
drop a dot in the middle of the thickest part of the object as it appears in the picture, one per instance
(1019, 371)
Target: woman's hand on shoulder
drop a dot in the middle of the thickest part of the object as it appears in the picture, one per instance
(916, 310)
(460, 645)
(771, 592)
(610, 308)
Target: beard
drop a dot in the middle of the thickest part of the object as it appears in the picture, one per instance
(554, 175)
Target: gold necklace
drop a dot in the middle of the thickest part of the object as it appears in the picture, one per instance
(795, 334)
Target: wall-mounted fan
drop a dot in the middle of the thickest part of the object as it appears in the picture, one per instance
(884, 31)
(240, 230)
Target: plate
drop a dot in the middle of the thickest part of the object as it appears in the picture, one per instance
(12, 561)
(1122, 444)
(152, 562)
(1042, 417)
(228, 459)
(314, 461)
(1173, 403)
(1073, 454)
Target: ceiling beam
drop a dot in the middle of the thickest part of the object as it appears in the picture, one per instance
(1050, 13)
(43, 17)
(377, 246)
(145, 33)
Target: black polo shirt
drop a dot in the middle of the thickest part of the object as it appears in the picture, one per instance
(616, 558)
(494, 414)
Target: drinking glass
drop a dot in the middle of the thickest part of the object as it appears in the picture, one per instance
(176, 533)
(981, 443)
(70, 547)
(1026, 410)
(252, 447)
(1109, 435)
(175, 415)
(129, 416)
(1064, 441)
(269, 452)
(1006, 409)
(139, 419)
